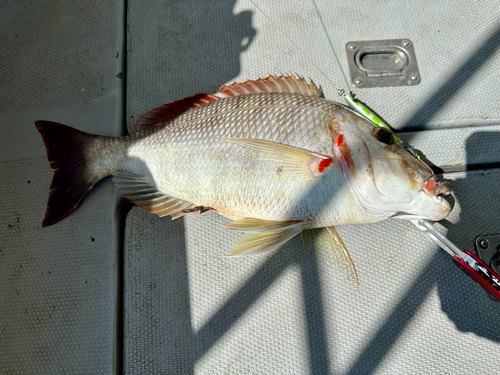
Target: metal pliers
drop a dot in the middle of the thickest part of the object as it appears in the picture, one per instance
(468, 262)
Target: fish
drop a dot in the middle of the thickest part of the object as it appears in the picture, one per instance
(272, 155)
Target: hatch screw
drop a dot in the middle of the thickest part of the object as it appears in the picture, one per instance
(405, 43)
(414, 77)
(352, 47)
(358, 81)
(483, 243)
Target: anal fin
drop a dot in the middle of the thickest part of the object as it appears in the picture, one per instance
(263, 235)
(145, 196)
(330, 248)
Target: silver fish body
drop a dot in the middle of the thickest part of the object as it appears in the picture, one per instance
(190, 159)
(272, 155)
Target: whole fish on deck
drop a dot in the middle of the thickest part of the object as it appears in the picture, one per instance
(272, 155)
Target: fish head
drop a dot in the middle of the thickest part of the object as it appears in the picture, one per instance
(385, 178)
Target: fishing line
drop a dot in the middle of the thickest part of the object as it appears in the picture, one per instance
(295, 45)
(352, 103)
(331, 46)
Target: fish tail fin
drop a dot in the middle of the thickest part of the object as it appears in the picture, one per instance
(66, 152)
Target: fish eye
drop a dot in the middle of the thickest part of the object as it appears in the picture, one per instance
(384, 135)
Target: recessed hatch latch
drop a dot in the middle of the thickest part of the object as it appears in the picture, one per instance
(379, 63)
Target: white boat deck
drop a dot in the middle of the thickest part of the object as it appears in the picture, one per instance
(112, 289)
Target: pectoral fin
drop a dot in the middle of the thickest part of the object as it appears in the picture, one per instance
(330, 247)
(145, 196)
(263, 235)
(296, 161)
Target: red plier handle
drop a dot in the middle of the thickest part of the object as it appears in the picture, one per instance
(480, 272)
(468, 262)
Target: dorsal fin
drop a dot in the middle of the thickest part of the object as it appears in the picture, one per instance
(290, 84)
(163, 114)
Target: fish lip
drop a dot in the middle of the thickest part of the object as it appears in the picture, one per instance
(436, 189)
(444, 189)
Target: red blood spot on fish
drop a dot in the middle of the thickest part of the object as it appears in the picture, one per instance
(345, 153)
(340, 140)
(213, 209)
(205, 209)
(430, 186)
(323, 164)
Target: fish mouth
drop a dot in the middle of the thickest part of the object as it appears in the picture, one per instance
(437, 190)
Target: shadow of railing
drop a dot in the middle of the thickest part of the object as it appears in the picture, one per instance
(464, 302)
(457, 80)
(457, 285)
(479, 216)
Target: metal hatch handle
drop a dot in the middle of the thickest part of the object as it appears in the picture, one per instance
(384, 61)
(380, 63)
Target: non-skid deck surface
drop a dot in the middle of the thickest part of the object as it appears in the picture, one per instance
(58, 285)
(189, 309)
(101, 293)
